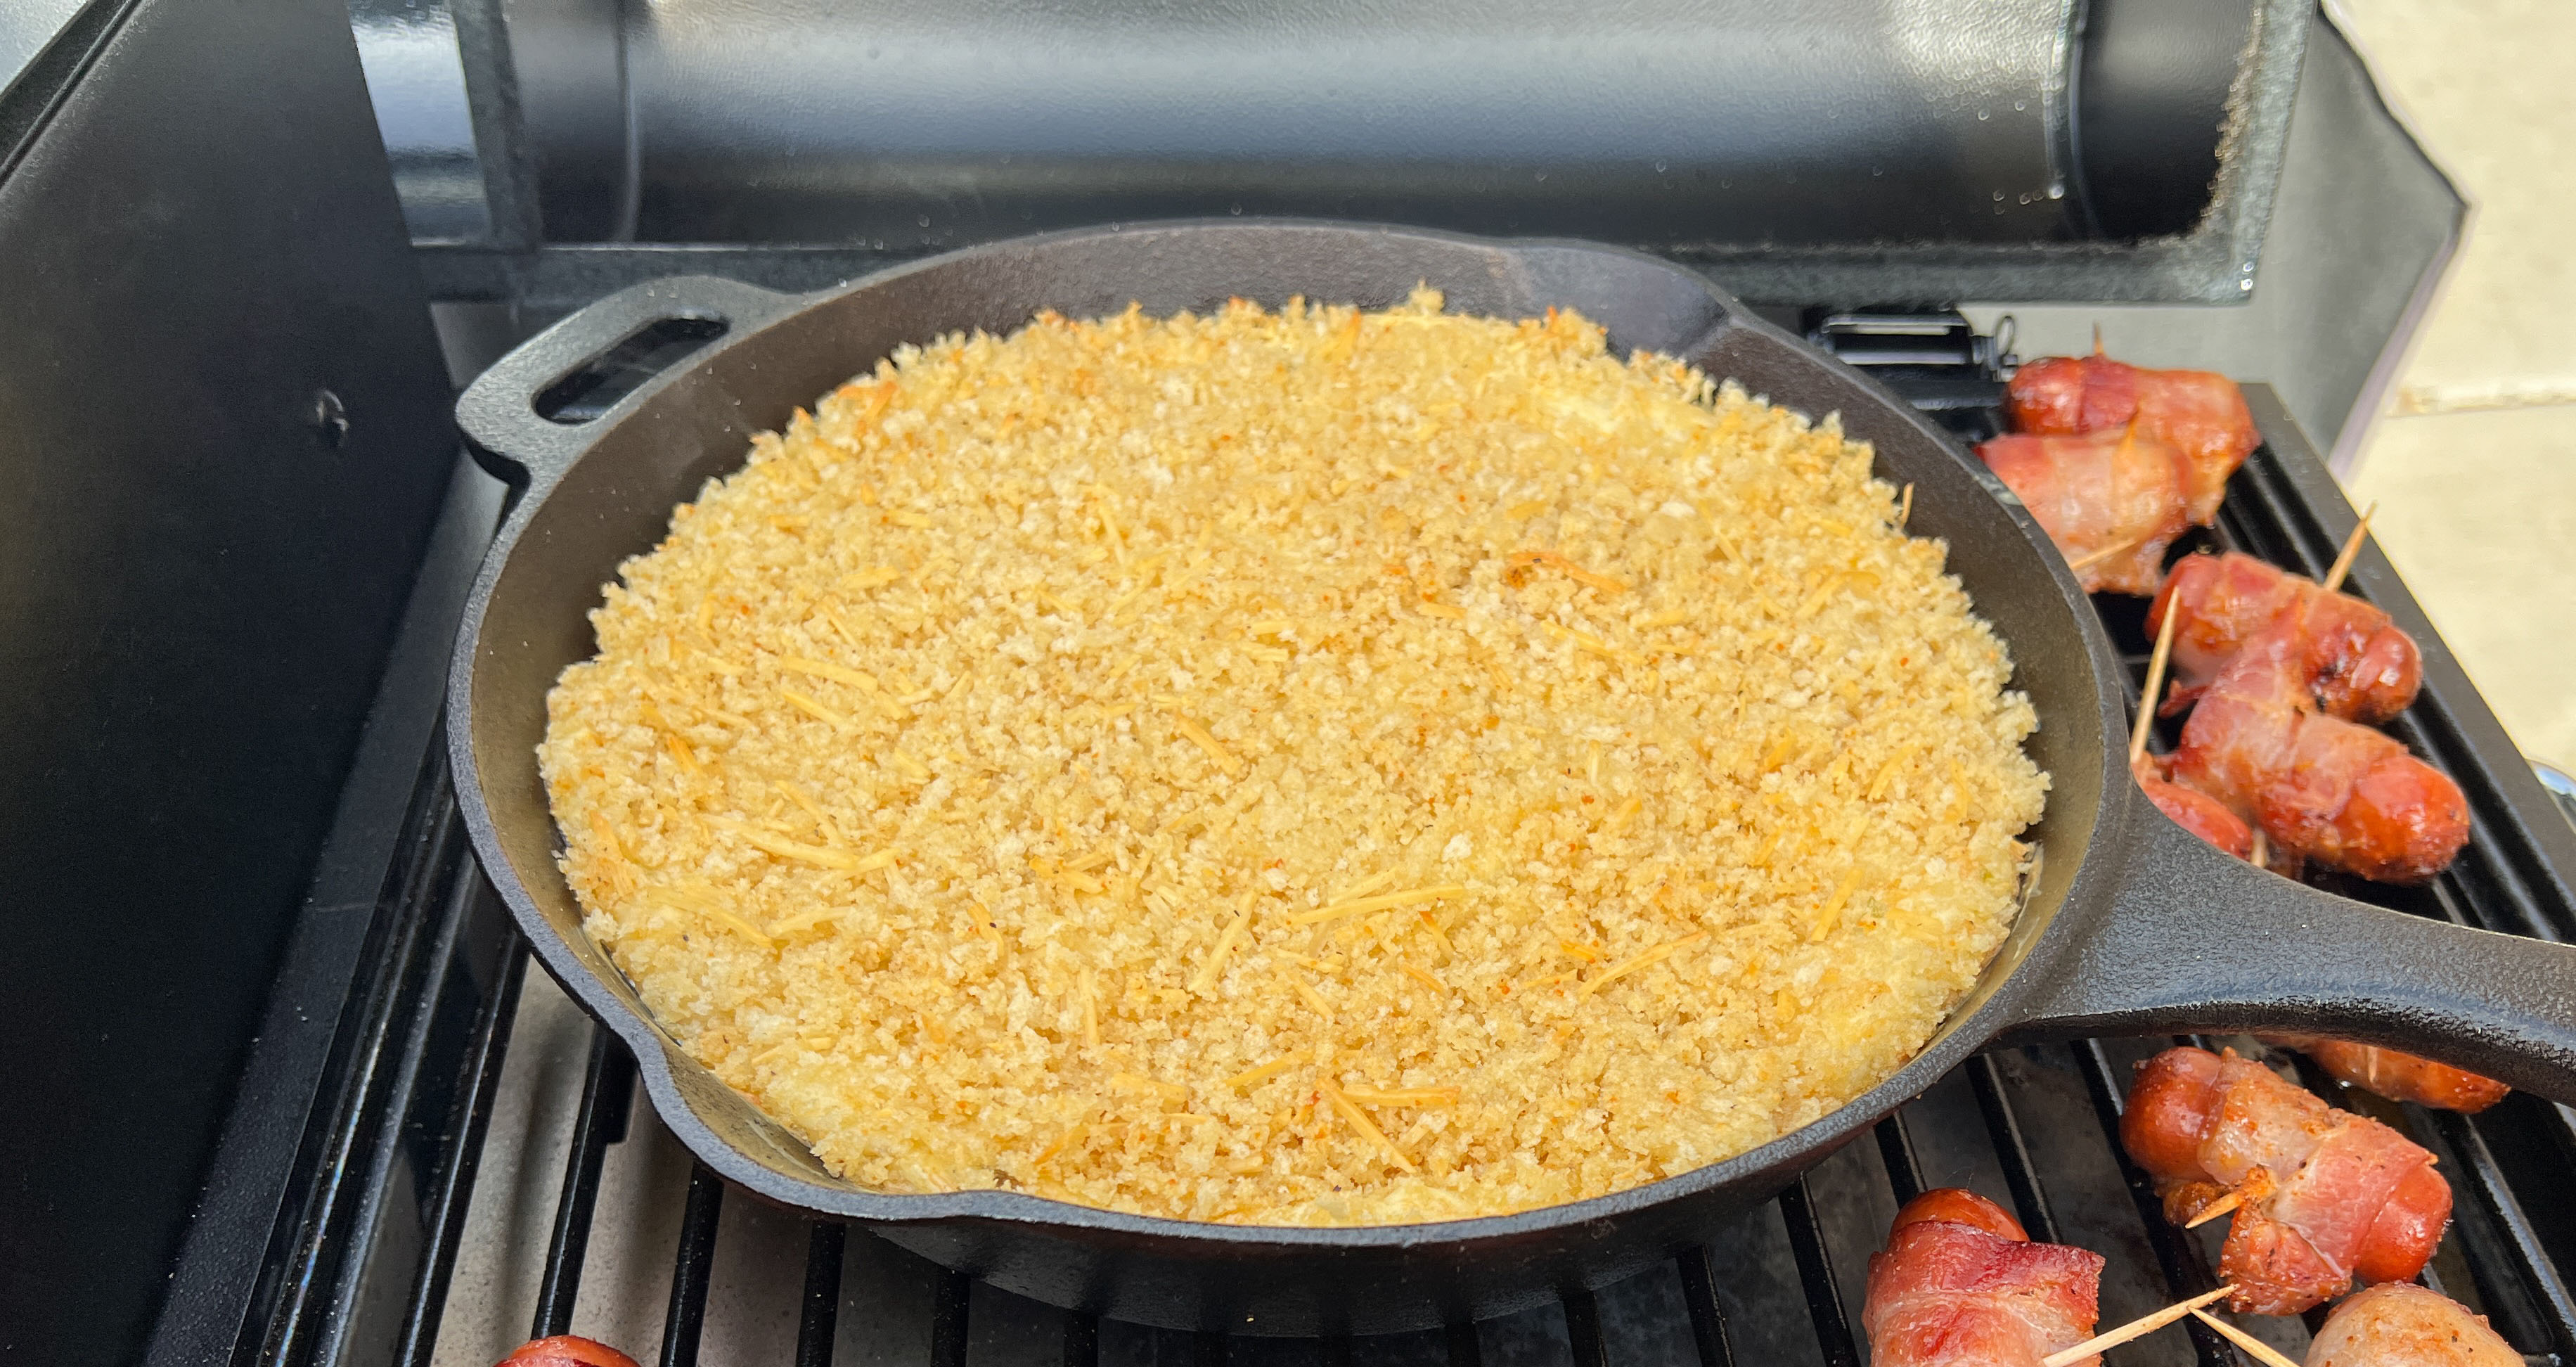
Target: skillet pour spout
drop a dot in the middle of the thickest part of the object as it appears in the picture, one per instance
(2132, 925)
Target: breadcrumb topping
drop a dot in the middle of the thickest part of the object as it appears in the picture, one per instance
(1311, 767)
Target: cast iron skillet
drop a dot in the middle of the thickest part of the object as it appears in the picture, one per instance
(2133, 926)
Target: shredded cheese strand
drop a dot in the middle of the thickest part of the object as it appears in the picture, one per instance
(1383, 901)
(824, 669)
(1225, 944)
(1832, 913)
(821, 856)
(1263, 1072)
(1403, 1096)
(1201, 737)
(1350, 1111)
(1631, 964)
(817, 711)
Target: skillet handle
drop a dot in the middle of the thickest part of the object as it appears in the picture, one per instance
(500, 414)
(2195, 940)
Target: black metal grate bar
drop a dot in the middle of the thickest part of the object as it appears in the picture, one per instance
(607, 1088)
(1816, 1275)
(1583, 1329)
(948, 1319)
(454, 1187)
(1081, 1340)
(2186, 1272)
(2030, 1202)
(408, 937)
(2540, 1275)
(820, 1315)
(692, 1267)
(1708, 1319)
(1896, 1150)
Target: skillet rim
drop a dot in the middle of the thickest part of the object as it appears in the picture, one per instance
(1779, 1160)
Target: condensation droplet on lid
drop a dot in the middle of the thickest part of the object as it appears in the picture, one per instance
(1999, 196)
(2057, 192)
(1234, 209)
(1983, 115)
(922, 219)
(2246, 285)
(2019, 105)
(1660, 164)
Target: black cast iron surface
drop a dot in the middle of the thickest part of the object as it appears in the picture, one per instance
(2132, 926)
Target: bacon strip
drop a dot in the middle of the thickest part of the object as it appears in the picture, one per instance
(2359, 665)
(2194, 811)
(2327, 1194)
(2398, 1076)
(2343, 795)
(2110, 500)
(2200, 416)
(1954, 1292)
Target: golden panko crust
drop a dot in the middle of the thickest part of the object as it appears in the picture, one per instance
(1308, 767)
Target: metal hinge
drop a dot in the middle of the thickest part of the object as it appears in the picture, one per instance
(1935, 359)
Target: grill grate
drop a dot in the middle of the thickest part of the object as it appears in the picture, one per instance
(2036, 1124)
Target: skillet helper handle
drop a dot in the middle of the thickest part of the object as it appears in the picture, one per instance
(2195, 940)
(500, 411)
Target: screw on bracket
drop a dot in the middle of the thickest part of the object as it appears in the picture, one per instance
(329, 419)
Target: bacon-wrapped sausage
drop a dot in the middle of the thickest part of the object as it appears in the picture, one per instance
(566, 1350)
(2112, 501)
(2194, 811)
(2360, 666)
(2326, 1195)
(2404, 1325)
(2201, 416)
(1960, 1285)
(2342, 795)
(2398, 1076)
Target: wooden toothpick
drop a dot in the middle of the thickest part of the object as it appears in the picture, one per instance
(2351, 550)
(2155, 684)
(2093, 558)
(2140, 1327)
(2128, 439)
(2262, 1352)
(2223, 1204)
(1905, 509)
(2261, 858)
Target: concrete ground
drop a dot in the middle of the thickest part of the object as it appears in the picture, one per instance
(2473, 464)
